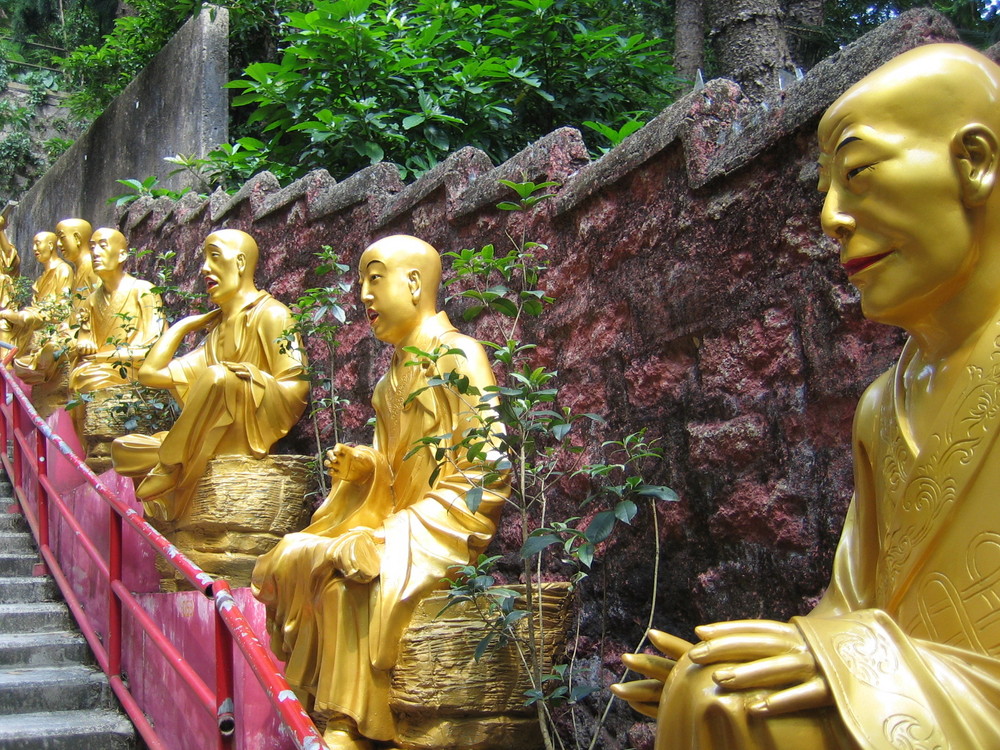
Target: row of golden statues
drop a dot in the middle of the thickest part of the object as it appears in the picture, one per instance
(903, 651)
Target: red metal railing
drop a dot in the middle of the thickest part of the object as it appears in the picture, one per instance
(28, 437)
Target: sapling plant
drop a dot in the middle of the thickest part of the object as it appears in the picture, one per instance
(524, 434)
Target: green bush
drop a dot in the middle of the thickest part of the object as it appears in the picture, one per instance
(408, 81)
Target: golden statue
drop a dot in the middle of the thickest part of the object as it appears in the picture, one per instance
(118, 322)
(10, 269)
(49, 294)
(903, 651)
(240, 390)
(74, 242)
(340, 594)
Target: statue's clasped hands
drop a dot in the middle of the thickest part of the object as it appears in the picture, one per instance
(768, 654)
(753, 655)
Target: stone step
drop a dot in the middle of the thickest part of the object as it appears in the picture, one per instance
(14, 564)
(43, 649)
(12, 521)
(16, 541)
(67, 730)
(73, 687)
(35, 617)
(27, 589)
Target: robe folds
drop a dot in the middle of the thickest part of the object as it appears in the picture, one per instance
(214, 400)
(339, 630)
(908, 632)
(51, 288)
(131, 318)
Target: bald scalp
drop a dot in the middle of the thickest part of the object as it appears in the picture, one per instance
(79, 226)
(116, 237)
(237, 241)
(401, 251)
(45, 237)
(934, 88)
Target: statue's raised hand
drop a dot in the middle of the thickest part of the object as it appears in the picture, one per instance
(347, 463)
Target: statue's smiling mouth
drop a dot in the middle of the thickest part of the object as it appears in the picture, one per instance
(210, 284)
(854, 265)
(372, 315)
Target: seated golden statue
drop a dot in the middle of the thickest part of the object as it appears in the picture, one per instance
(74, 242)
(10, 267)
(118, 322)
(240, 390)
(903, 651)
(340, 593)
(49, 295)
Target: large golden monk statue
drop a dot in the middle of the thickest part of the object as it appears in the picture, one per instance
(50, 290)
(119, 321)
(903, 651)
(340, 593)
(240, 390)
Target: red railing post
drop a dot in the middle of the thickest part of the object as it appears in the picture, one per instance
(224, 682)
(41, 470)
(18, 477)
(114, 637)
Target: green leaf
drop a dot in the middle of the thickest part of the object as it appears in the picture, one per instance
(600, 527)
(535, 544)
(659, 492)
(625, 511)
(473, 498)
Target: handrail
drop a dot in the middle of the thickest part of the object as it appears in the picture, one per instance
(28, 435)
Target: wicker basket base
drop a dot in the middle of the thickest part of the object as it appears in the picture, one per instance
(105, 413)
(444, 699)
(241, 508)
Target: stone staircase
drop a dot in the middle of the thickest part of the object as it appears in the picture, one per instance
(51, 694)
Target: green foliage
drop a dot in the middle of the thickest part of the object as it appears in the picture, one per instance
(318, 315)
(101, 71)
(143, 189)
(360, 81)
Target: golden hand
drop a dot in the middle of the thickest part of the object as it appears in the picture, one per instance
(348, 464)
(85, 347)
(197, 322)
(774, 655)
(239, 369)
(644, 695)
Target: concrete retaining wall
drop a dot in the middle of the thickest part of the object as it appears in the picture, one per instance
(176, 105)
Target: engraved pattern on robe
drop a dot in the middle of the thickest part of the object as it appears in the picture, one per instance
(908, 633)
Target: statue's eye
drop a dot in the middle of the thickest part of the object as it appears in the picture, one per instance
(851, 174)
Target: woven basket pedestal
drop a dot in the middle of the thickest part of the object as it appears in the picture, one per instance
(444, 699)
(104, 416)
(241, 508)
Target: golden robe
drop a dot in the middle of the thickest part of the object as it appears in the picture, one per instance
(131, 318)
(51, 287)
(214, 399)
(908, 633)
(339, 634)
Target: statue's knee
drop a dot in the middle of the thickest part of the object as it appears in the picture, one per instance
(215, 376)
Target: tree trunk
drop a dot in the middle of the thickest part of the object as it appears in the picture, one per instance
(802, 20)
(689, 38)
(749, 43)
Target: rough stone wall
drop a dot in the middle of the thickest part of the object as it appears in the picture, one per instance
(175, 105)
(696, 296)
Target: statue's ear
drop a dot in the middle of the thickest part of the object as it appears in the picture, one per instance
(241, 263)
(414, 282)
(977, 151)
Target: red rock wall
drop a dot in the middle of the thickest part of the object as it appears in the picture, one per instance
(697, 297)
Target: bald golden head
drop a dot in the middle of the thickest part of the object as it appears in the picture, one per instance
(909, 158)
(74, 237)
(236, 242)
(400, 276)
